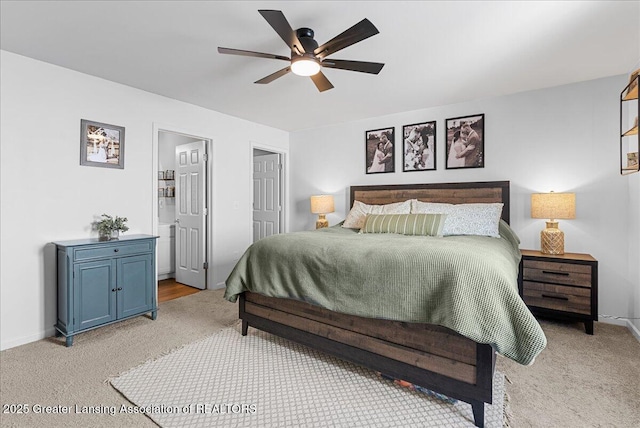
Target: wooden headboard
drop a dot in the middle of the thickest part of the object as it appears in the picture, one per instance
(450, 193)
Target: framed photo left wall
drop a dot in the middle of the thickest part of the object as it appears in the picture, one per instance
(101, 144)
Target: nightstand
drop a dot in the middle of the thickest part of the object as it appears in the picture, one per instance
(560, 286)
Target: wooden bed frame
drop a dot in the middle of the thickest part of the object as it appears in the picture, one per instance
(424, 354)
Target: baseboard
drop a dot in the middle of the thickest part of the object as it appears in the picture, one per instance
(218, 286)
(615, 321)
(27, 339)
(634, 330)
(623, 323)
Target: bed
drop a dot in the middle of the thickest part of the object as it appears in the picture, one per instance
(428, 354)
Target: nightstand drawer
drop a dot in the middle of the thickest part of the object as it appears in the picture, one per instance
(557, 273)
(557, 297)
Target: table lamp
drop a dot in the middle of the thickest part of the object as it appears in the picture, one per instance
(321, 205)
(553, 206)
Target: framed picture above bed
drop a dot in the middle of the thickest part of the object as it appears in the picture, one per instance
(101, 144)
(379, 151)
(465, 142)
(419, 147)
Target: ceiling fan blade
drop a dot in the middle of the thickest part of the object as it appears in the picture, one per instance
(276, 19)
(251, 53)
(362, 30)
(321, 81)
(361, 66)
(270, 78)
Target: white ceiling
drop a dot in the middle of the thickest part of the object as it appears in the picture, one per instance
(436, 53)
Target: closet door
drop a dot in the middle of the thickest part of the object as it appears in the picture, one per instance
(266, 195)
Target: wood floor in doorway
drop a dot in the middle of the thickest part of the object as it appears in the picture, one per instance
(169, 289)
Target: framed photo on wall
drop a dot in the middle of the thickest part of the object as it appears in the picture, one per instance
(419, 147)
(101, 144)
(465, 142)
(379, 151)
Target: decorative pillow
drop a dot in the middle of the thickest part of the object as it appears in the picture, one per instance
(355, 218)
(419, 207)
(405, 224)
(464, 219)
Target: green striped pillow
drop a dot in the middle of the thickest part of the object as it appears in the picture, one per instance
(405, 224)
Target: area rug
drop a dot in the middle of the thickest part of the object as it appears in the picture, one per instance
(261, 380)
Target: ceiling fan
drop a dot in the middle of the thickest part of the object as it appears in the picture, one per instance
(307, 58)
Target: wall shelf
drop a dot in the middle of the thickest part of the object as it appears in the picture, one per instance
(629, 138)
(633, 93)
(632, 131)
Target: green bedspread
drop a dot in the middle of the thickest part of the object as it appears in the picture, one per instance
(466, 283)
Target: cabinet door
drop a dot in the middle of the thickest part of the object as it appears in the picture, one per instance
(166, 255)
(94, 296)
(136, 292)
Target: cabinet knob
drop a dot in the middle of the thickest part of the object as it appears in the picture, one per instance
(113, 289)
(119, 289)
(116, 250)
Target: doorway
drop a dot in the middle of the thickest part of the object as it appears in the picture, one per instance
(268, 193)
(169, 289)
(182, 208)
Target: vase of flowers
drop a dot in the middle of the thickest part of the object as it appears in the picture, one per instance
(109, 227)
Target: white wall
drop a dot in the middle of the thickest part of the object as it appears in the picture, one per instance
(562, 139)
(634, 250)
(47, 196)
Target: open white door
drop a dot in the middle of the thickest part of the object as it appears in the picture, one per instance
(191, 214)
(266, 195)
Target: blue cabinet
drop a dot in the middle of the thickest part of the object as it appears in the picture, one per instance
(102, 282)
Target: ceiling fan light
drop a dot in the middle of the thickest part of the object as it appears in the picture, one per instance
(305, 66)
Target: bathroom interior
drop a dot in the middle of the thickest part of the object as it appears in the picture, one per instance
(167, 143)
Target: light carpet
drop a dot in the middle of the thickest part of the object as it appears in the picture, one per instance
(261, 380)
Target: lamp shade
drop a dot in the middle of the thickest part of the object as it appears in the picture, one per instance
(553, 205)
(322, 204)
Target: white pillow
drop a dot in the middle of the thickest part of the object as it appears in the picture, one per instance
(356, 217)
(419, 207)
(464, 219)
